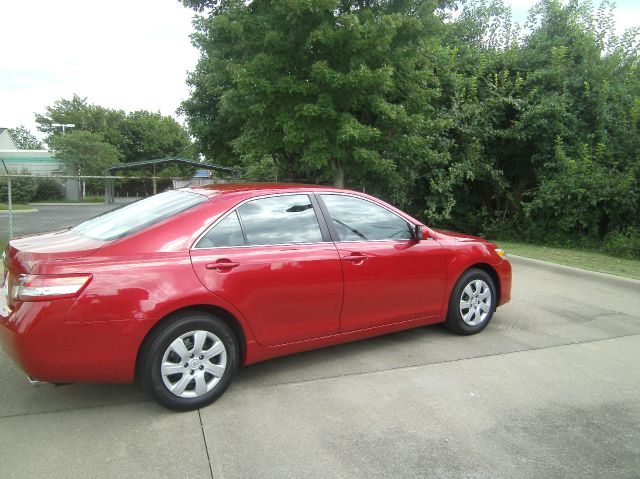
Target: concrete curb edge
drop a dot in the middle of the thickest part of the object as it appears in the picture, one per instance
(577, 272)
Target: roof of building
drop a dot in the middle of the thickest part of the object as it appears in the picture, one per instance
(263, 188)
(161, 161)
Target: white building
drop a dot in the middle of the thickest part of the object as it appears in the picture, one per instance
(36, 162)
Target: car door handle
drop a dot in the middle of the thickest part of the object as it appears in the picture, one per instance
(222, 265)
(356, 257)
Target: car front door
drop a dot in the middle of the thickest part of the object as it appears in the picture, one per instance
(273, 261)
(389, 277)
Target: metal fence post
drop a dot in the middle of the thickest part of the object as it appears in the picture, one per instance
(10, 207)
(9, 200)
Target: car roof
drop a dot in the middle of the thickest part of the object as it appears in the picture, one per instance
(260, 188)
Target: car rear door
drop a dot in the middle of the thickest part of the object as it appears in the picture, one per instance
(388, 276)
(274, 261)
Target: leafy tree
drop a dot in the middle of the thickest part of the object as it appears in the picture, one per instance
(86, 117)
(24, 139)
(323, 89)
(151, 135)
(85, 153)
(140, 135)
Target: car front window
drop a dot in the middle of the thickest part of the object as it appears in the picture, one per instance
(356, 219)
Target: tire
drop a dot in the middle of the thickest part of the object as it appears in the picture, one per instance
(188, 361)
(472, 303)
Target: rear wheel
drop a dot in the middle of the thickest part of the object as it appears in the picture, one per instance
(189, 361)
(472, 303)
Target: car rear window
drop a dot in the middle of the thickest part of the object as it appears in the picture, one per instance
(136, 216)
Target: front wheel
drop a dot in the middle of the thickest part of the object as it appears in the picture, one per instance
(472, 303)
(189, 361)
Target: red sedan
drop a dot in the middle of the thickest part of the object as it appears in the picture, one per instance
(181, 288)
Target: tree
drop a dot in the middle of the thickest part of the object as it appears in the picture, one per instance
(322, 89)
(86, 117)
(140, 135)
(85, 153)
(151, 135)
(24, 139)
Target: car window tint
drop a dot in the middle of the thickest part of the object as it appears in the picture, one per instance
(359, 220)
(280, 220)
(226, 233)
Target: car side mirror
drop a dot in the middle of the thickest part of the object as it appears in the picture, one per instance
(420, 233)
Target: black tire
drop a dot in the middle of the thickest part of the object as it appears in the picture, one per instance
(157, 345)
(455, 321)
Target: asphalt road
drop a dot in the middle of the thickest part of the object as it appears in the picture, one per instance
(550, 389)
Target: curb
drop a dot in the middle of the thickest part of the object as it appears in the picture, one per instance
(32, 210)
(578, 273)
(67, 204)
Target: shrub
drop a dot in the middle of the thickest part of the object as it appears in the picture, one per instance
(48, 189)
(625, 243)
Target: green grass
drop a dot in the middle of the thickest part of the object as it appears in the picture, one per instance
(17, 207)
(578, 258)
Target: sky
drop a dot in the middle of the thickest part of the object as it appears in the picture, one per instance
(122, 54)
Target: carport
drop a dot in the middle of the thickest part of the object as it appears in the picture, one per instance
(152, 164)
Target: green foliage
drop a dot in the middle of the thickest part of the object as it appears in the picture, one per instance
(22, 188)
(24, 139)
(140, 135)
(48, 189)
(317, 89)
(85, 153)
(468, 121)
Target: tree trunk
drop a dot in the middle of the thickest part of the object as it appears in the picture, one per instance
(338, 174)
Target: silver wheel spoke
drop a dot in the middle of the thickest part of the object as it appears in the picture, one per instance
(465, 304)
(198, 341)
(168, 369)
(479, 285)
(214, 369)
(469, 291)
(485, 294)
(469, 316)
(214, 350)
(179, 387)
(484, 307)
(180, 349)
(201, 384)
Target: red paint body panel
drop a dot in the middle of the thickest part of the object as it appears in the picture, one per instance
(289, 293)
(285, 298)
(397, 281)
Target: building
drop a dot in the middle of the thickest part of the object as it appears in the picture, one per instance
(35, 162)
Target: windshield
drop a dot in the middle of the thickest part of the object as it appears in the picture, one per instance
(136, 216)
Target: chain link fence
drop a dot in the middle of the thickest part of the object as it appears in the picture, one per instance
(37, 204)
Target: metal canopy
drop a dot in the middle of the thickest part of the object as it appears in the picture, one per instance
(160, 161)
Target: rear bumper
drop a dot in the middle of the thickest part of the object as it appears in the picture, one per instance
(49, 349)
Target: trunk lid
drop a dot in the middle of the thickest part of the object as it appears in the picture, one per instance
(23, 254)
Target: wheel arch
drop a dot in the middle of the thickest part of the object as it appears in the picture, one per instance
(217, 311)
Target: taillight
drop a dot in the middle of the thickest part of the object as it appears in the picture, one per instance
(45, 287)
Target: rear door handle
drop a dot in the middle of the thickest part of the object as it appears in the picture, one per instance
(222, 265)
(356, 257)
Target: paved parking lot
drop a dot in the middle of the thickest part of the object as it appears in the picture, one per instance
(53, 217)
(550, 389)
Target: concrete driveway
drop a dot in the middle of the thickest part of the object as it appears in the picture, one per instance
(550, 389)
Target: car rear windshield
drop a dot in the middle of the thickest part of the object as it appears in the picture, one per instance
(136, 216)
